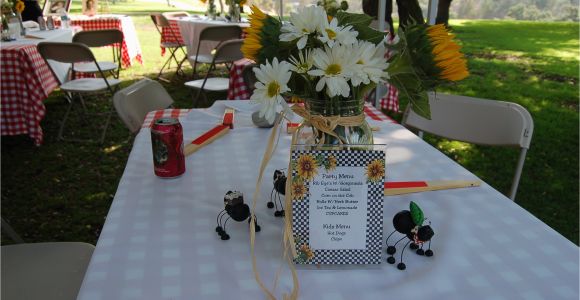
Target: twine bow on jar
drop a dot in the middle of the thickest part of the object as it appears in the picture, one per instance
(327, 124)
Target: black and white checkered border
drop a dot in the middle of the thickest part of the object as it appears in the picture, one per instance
(374, 228)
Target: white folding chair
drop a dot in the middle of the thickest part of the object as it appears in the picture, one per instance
(477, 121)
(51, 271)
(162, 24)
(75, 53)
(101, 38)
(228, 51)
(175, 14)
(213, 34)
(134, 102)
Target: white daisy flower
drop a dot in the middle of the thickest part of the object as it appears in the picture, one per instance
(333, 34)
(370, 63)
(334, 66)
(305, 21)
(304, 62)
(272, 82)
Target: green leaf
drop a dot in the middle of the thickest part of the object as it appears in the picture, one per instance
(360, 23)
(320, 159)
(420, 105)
(345, 18)
(416, 214)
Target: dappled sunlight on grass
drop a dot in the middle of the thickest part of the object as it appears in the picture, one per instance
(97, 197)
(112, 149)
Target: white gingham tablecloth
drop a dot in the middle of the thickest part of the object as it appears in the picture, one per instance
(370, 111)
(159, 239)
(26, 82)
(188, 30)
(130, 50)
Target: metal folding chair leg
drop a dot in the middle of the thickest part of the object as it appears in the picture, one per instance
(165, 64)
(84, 112)
(107, 122)
(63, 122)
(173, 57)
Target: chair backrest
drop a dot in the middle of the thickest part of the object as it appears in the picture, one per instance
(99, 38)
(65, 52)
(477, 121)
(220, 33)
(176, 14)
(134, 102)
(44, 270)
(160, 20)
(249, 76)
(154, 18)
(229, 51)
(474, 120)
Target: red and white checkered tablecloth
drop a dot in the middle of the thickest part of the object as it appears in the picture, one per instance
(26, 82)
(164, 113)
(130, 50)
(237, 88)
(171, 34)
(371, 112)
(390, 101)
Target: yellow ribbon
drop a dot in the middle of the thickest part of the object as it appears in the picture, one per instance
(270, 148)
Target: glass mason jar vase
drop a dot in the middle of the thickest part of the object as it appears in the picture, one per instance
(211, 10)
(346, 135)
(234, 13)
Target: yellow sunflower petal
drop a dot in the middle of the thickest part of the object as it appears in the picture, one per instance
(446, 53)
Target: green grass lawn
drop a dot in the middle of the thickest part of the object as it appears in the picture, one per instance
(62, 191)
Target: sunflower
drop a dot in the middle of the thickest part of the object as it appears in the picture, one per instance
(262, 41)
(375, 170)
(252, 42)
(203, 1)
(19, 6)
(307, 167)
(330, 163)
(446, 53)
(298, 190)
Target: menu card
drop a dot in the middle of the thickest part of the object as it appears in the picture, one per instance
(337, 205)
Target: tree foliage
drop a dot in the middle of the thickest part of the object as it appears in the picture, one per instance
(544, 10)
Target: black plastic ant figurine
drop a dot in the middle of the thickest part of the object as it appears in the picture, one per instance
(236, 209)
(278, 189)
(410, 223)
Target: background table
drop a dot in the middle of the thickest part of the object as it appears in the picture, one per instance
(26, 82)
(130, 50)
(189, 30)
(159, 241)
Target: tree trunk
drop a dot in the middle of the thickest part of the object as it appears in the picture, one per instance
(443, 12)
(409, 11)
(371, 8)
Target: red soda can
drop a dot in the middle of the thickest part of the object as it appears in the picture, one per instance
(167, 143)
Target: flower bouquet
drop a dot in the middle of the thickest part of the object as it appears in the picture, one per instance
(333, 62)
(330, 63)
